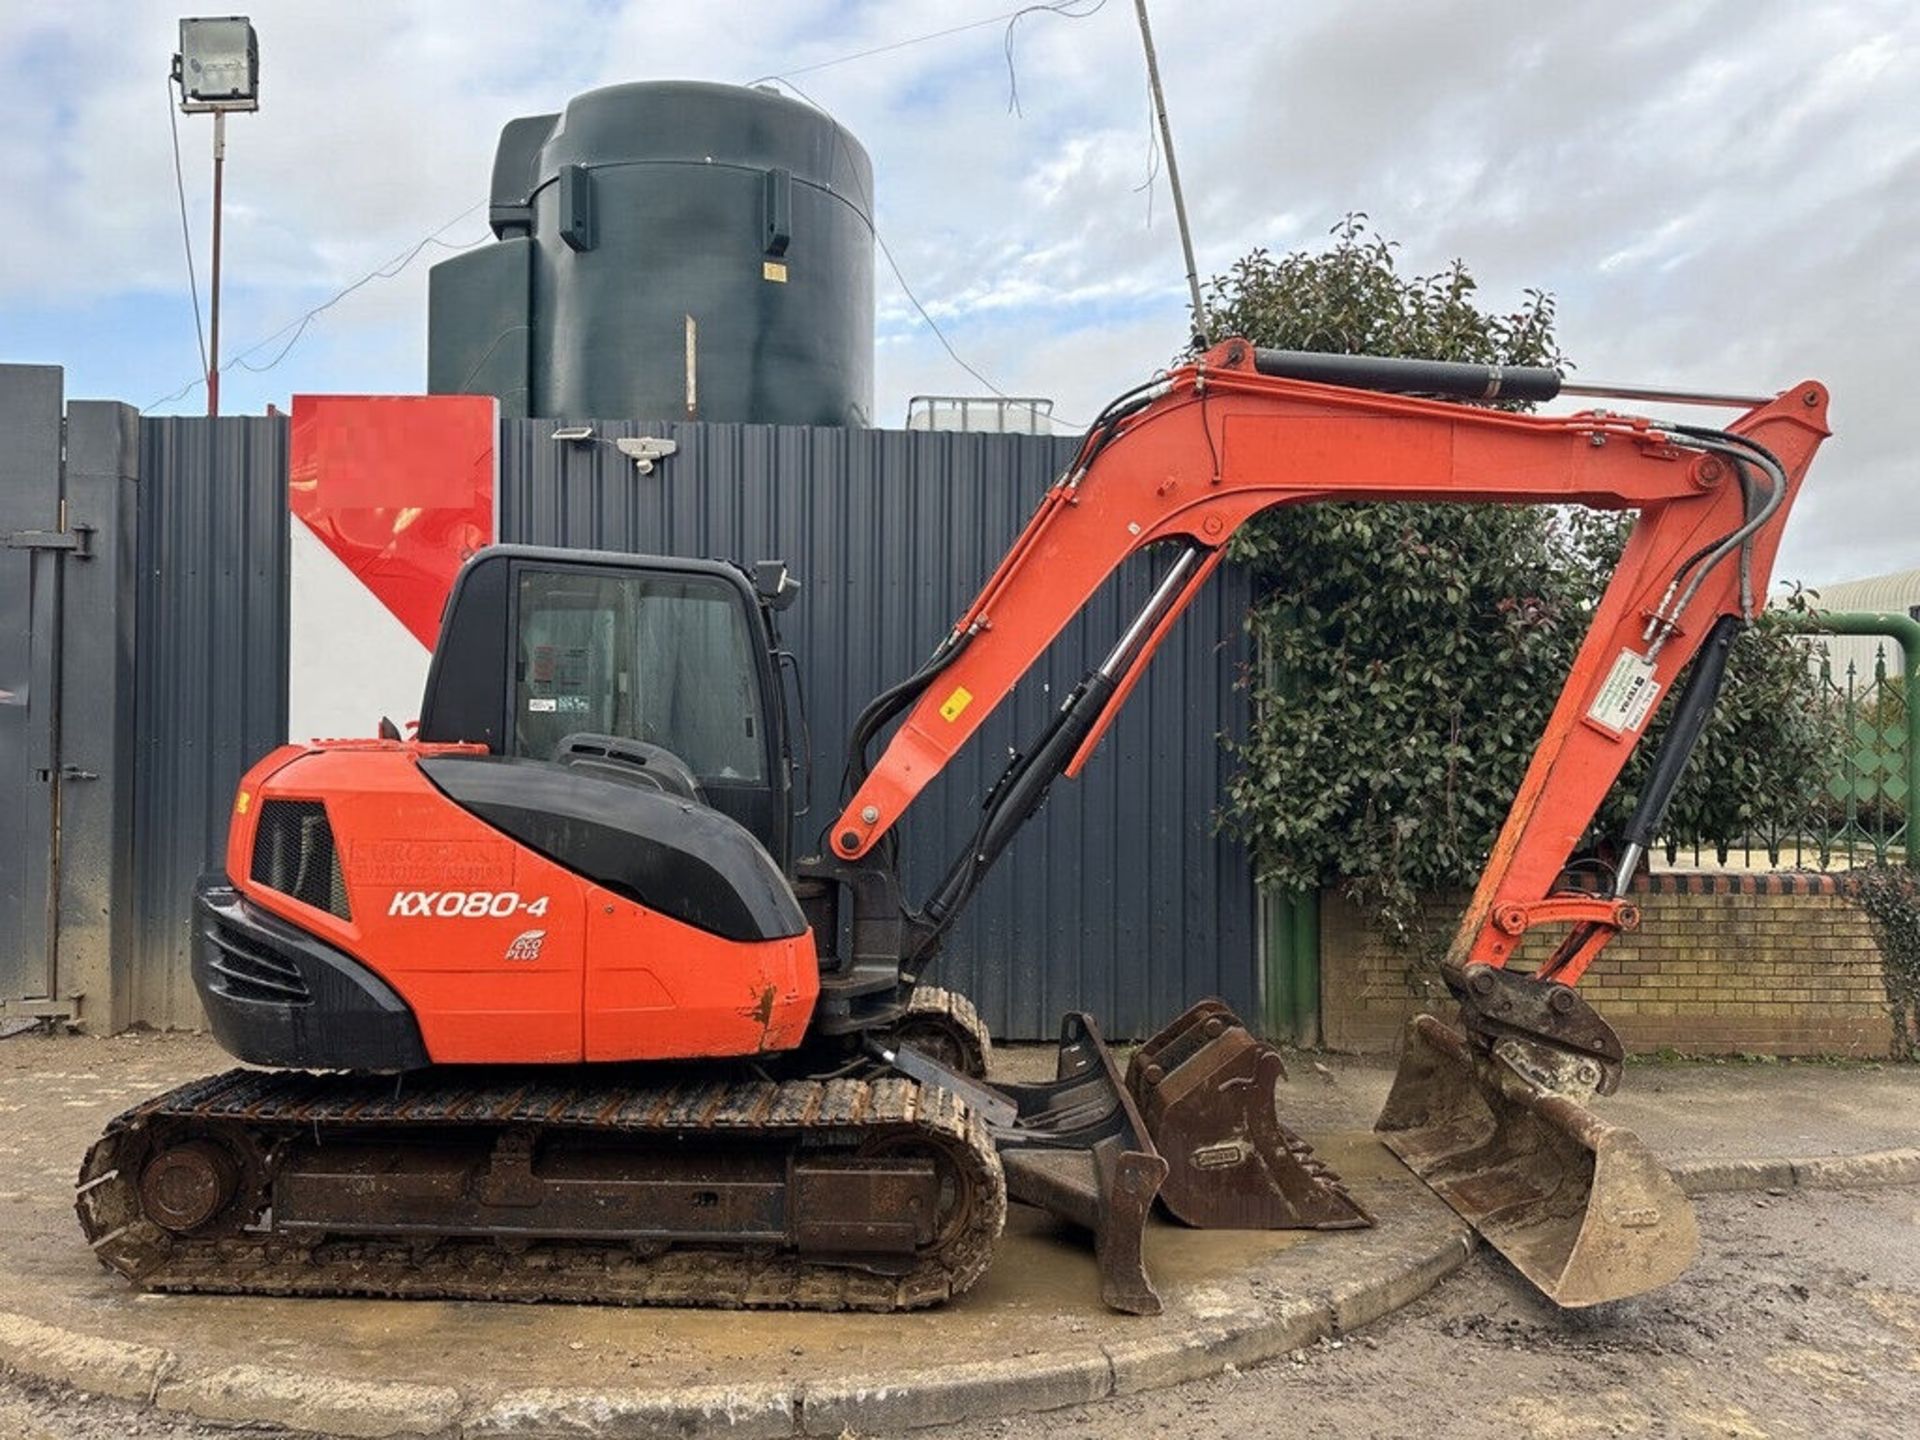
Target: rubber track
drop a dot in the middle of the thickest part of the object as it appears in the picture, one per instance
(264, 1105)
(956, 1011)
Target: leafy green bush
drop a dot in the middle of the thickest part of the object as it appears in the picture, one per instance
(1412, 653)
(1890, 895)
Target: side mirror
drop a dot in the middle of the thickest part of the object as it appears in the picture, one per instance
(775, 587)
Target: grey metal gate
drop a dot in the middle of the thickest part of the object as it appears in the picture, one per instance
(66, 662)
(30, 575)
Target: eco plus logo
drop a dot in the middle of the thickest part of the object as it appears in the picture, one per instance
(526, 945)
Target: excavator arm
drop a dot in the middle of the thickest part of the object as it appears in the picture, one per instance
(1487, 1118)
(1186, 462)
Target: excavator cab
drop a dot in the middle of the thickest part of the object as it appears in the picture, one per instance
(638, 666)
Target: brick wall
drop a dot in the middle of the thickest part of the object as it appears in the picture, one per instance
(1721, 964)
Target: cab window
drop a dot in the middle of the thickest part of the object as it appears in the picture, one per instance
(657, 657)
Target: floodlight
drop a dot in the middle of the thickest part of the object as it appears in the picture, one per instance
(218, 66)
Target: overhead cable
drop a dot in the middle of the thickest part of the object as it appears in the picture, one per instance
(900, 276)
(298, 325)
(186, 236)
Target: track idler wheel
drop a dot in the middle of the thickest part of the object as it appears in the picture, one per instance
(1206, 1089)
(185, 1185)
(943, 1025)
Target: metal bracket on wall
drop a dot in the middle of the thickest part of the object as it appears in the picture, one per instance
(63, 1009)
(645, 450)
(79, 540)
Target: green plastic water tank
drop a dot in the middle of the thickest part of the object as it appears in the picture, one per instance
(668, 250)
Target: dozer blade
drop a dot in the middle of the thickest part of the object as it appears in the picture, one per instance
(1193, 1122)
(1077, 1148)
(1580, 1207)
(1207, 1091)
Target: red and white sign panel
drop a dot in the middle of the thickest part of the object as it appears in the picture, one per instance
(389, 496)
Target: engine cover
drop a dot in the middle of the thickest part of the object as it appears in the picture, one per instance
(524, 913)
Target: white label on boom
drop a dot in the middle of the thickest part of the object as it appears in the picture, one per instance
(1627, 695)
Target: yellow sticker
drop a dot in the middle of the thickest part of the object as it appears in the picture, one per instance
(956, 703)
(241, 802)
(773, 270)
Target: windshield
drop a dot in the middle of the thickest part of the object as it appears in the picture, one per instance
(661, 658)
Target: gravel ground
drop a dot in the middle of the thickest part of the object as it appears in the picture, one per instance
(1802, 1318)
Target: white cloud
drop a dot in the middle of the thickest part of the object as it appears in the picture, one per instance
(1719, 193)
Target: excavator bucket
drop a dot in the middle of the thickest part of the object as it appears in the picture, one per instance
(1193, 1123)
(1580, 1207)
(1206, 1090)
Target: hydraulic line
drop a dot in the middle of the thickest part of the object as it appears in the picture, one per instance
(1740, 451)
(891, 701)
(1777, 476)
(896, 698)
(1690, 715)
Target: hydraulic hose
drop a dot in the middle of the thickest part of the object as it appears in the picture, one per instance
(1740, 450)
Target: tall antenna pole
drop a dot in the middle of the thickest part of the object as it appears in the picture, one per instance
(213, 339)
(1173, 173)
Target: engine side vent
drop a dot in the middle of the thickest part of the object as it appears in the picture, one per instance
(253, 972)
(293, 853)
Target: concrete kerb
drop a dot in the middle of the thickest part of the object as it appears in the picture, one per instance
(1248, 1330)
(1710, 1176)
(1384, 1279)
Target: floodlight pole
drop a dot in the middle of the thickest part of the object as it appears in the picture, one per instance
(213, 338)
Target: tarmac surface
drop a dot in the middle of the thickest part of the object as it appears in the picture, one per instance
(1032, 1336)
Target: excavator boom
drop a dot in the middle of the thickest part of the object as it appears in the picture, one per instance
(1489, 1119)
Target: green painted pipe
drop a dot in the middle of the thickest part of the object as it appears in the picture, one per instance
(1904, 630)
(1306, 968)
(1276, 962)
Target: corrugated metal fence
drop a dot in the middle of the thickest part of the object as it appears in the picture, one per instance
(210, 670)
(1121, 898)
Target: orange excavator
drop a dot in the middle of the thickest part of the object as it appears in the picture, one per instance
(552, 1007)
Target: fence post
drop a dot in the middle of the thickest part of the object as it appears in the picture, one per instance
(1289, 938)
(1905, 631)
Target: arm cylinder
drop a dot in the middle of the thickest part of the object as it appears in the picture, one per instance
(1689, 719)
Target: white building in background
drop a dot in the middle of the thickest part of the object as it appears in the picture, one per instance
(1895, 594)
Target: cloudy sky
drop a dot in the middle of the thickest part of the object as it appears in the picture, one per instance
(1720, 194)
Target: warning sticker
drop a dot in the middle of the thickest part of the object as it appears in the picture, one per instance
(956, 704)
(1627, 695)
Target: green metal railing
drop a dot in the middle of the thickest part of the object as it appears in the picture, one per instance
(1880, 766)
(1864, 809)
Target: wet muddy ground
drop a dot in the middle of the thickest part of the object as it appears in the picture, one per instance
(1801, 1319)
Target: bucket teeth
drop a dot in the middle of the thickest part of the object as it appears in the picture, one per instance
(1206, 1089)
